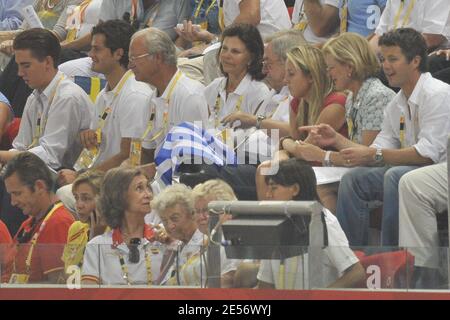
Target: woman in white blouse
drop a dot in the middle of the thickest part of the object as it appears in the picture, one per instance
(128, 254)
(241, 89)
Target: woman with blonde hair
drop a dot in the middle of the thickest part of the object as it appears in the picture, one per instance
(352, 67)
(315, 101)
(314, 98)
(204, 193)
(178, 208)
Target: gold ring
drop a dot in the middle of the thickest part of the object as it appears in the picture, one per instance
(348, 161)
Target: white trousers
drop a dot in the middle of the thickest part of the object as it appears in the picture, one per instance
(422, 195)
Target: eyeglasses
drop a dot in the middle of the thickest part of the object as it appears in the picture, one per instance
(132, 59)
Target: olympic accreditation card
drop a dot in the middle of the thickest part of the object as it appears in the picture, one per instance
(135, 152)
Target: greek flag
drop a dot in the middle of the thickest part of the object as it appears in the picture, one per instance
(190, 144)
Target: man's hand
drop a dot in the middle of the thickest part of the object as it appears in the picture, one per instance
(66, 176)
(322, 135)
(88, 139)
(247, 120)
(358, 156)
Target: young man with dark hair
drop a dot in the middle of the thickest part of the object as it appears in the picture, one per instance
(414, 133)
(55, 113)
(122, 108)
(41, 238)
(57, 110)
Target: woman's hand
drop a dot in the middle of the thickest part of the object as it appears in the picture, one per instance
(309, 152)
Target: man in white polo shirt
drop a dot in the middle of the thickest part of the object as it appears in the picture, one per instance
(121, 109)
(177, 98)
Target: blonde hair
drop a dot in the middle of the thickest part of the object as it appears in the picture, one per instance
(92, 178)
(353, 50)
(310, 61)
(216, 188)
(173, 195)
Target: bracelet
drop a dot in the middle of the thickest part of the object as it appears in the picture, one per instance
(327, 161)
(280, 147)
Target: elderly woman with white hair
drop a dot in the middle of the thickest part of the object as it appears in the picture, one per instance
(176, 207)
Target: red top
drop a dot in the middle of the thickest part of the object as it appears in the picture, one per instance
(332, 98)
(5, 252)
(49, 247)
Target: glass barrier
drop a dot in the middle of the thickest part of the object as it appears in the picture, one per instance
(264, 267)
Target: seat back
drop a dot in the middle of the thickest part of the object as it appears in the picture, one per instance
(91, 85)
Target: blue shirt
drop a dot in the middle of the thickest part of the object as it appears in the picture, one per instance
(11, 13)
(363, 15)
(213, 14)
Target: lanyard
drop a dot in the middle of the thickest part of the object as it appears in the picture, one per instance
(221, 16)
(153, 16)
(217, 108)
(80, 12)
(148, 266)
(344, 16)
(199, 7)
(352, 124)
(407, 14)
(302, 22)
(291, 275)
(402, 132)
(134, 6)
(107, 110)
(166, 113)
(40, 123)
(36, 236)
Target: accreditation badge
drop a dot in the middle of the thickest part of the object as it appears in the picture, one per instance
(301, 25)
(17, 278)
(227, 136)
(135, 152)
(86, 159)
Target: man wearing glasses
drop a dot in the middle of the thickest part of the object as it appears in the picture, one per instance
(176, 99)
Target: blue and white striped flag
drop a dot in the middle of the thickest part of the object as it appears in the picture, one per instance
(190, 144)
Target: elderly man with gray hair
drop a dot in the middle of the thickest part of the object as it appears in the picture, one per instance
(177, 98)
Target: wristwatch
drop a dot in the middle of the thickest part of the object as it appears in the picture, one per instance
(259, 119)
(327, 161)
(378, 156)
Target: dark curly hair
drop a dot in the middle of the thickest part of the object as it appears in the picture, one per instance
(118, 35)
(296, 171)
(411, 43)
(251, 37)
